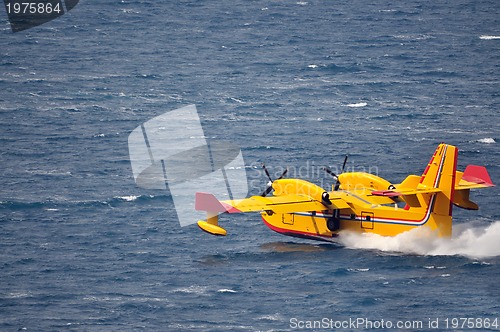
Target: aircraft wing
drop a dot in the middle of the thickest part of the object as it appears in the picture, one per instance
(278, 204)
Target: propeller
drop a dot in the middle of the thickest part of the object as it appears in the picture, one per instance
(270, 183)
(335, 176)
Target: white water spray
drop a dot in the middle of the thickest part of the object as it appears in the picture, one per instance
(467, 240)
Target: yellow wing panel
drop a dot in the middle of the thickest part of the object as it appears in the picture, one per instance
(278, 204)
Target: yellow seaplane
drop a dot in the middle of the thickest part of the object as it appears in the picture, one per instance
(359, 202)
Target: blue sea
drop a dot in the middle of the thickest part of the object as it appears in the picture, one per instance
(295, 84)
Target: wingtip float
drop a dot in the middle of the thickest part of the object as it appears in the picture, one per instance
(359, 201)
(213, 229)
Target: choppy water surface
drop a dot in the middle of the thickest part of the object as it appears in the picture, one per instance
(296, 84)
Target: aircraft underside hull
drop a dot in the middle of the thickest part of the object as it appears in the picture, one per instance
(321, 226)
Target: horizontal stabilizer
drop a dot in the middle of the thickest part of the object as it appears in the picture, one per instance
(403, 192)
(474, 177)
(386, 193)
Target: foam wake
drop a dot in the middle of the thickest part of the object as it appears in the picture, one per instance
(489, 37)
(467, 240)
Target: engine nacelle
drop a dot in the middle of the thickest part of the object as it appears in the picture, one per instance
(349, 181)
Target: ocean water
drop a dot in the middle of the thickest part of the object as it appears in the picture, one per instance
(293, 83)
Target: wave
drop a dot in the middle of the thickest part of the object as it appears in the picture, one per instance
(486, 37)
(56, 205)
(271, 317)
(226, 290)
(333, 68)
(357, 105)
(469, 241)
(130, 198)
(486, 140)
(19, 205)
(124, 199)
(413, 37)
(193, 289)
